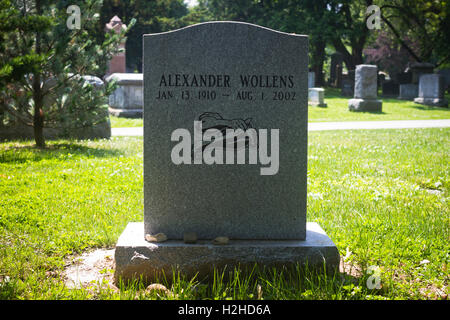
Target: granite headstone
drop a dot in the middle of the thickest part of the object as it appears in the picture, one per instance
(225, 75)
(128, 98)
(316, 97)
(408, 91)
(431, 91)
(365, 98)
(201, 83)
(311, 79)
(348, 84)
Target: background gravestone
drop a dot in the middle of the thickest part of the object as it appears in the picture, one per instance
(128, 98)
(365, 98)
(431, 91)
(311, 79)
(348, 84)
(316, 97)
(225, 74)
(408, 91)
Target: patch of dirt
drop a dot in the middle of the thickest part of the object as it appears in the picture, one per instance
(350, 269)
(95, 266)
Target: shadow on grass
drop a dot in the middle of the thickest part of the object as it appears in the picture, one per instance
(427, 108)
(371, 112)
(20, 152)
(254, 283)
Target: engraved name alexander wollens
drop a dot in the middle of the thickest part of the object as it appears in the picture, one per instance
(219, 138)
(249, 87)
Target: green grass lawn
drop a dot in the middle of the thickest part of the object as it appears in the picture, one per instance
(120, 122)
(381, 195)
(393, 109)
(337, 110)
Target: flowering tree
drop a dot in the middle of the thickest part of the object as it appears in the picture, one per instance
(389, 54)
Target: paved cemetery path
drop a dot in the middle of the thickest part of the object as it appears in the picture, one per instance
(323, 126)
(396, 124)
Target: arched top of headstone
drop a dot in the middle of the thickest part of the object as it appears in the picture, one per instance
(226, 25)
(126, 78)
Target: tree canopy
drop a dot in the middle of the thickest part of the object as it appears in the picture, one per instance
(150, 16)
(42, 63)
(427, 23)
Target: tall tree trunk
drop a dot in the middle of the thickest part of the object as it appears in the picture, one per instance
(346, 56)
(357, 40)
(318, 58)
(357, 54)
(355, 57)
(38, 119)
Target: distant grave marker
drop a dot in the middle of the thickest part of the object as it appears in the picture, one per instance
(431, 90)
(365, 98)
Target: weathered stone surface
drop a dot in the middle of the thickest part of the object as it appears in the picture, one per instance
(221, 240)
(159, 237)
(369, 105)
(348, 84)
(431, 91)
(224, 75)
(408, 91)
(316, 97)
(366, 81)
(190, 237)
(347, 87)
(128, 99)
(134, 256)
(365, 98)
(198, 73)
(311, 79)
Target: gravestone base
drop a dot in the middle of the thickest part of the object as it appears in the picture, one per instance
(136, 258)
(126, 113)
(372, 105)
(317, 104)
(434, 102)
